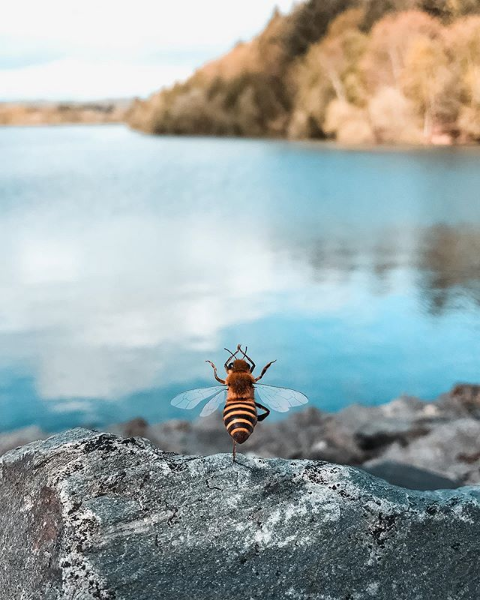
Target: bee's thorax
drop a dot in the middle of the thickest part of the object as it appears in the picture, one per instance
(240, 385)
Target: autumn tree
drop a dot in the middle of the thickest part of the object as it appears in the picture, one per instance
(430, 82)
(463, 44)
(329, 70)
(389, 44)
(393, 118)
(309, 22)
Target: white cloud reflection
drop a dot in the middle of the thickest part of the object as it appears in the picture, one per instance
(103, 309)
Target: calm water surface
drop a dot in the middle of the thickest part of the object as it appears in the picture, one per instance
(127, 260)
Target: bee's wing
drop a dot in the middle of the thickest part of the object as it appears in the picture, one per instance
(214, 403)
(280, 399)
(190, 399)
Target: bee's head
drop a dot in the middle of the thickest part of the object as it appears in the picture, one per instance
(239, 366)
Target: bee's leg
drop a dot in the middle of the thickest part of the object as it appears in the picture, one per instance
(264, 370)
(234, 451)
(265, 414)
(215, 372)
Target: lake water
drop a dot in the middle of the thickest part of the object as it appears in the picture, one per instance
(128, 260)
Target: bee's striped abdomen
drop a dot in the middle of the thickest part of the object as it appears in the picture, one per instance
(240, 418)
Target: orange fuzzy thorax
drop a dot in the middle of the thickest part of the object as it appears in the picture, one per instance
(240, 385)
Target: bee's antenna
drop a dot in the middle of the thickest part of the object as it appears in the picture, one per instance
(232, 354)
(248, 358)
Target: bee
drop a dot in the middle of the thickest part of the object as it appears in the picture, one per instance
(237, 393)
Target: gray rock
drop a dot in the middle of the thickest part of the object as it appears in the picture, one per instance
(305, 434)
(462, 400)
(92, 516)
(410, 477)
(451, 450)
(20, 437)
(375, 427)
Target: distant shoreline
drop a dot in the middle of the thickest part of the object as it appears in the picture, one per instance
(59, 125)
(63, 124)
(63, 113)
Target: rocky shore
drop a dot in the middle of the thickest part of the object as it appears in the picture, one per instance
(408, 442)
(89, 515)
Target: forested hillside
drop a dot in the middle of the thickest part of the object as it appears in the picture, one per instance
(358, 71)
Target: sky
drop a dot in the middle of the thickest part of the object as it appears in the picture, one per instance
(95, 49)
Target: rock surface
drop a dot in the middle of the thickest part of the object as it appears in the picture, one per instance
(93, 516)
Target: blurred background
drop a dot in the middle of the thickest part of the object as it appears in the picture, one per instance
(299, 177)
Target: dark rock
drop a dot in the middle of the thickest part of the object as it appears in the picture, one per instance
(450, 450)
(137, 427)
(305, 434)
(462, 400)
(92, 516)
(410, 477)
(401, 420)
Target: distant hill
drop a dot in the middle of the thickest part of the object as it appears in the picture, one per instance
(358, 71)
(53, 113)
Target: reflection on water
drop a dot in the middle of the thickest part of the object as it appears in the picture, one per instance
(129, 260)
(449, 263)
